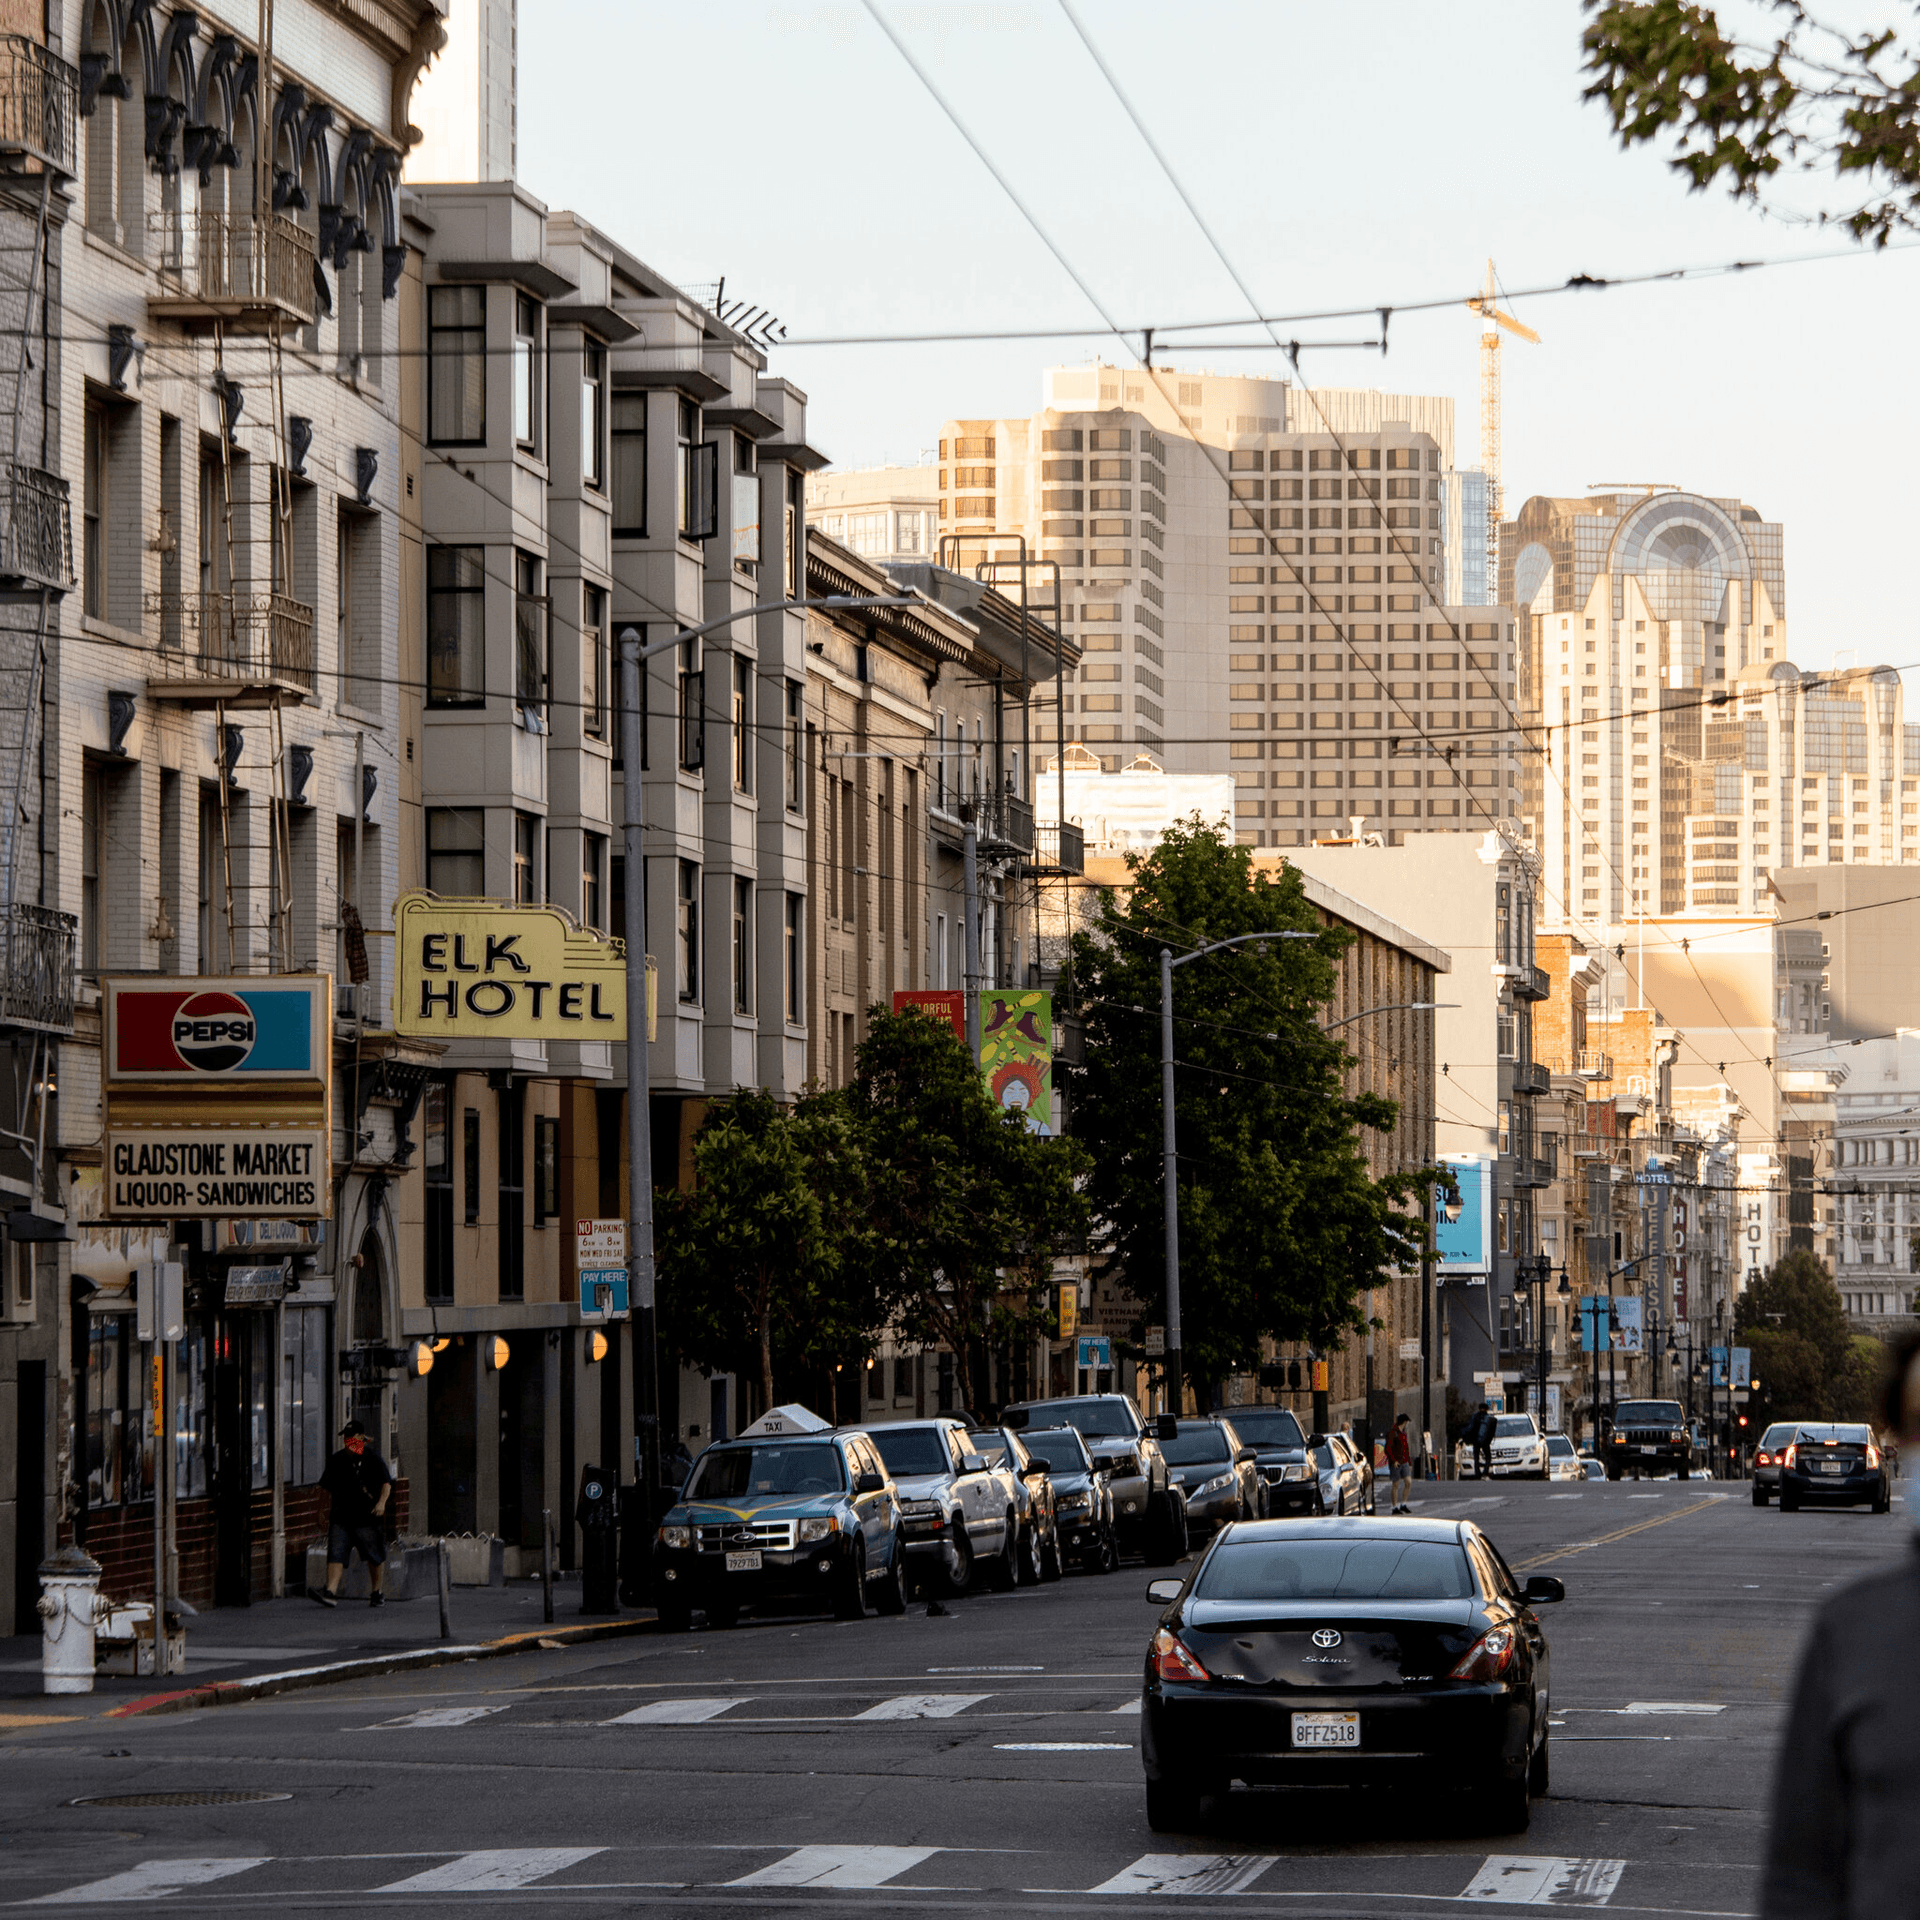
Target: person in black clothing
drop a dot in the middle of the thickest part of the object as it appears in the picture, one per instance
(1480, 1432)
(1845, 1838)
(358, 1481)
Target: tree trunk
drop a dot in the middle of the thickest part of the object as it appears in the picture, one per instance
(764, 1318)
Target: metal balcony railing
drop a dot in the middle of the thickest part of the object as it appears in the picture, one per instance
(39, 104)
(1591, 1064)
(243, 637)
(38, 546)
(1531, 983)
(36, 968)
(227, 265)
(1059, 848)
(1532, 1076)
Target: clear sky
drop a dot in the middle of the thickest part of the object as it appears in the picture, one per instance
(1373, 152)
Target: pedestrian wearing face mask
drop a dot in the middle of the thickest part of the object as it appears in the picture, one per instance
(1845, 1840)
(359, 1484)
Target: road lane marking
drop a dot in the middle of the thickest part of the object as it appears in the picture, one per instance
(1543, 1880)
(436, 1717)
(492, 1870)
(923, 1706)
(1673, 1706)
(673, 1713)
(986, 1669)
(836, 1867)
(1132, 1706)
(1204, 1873)
(150, 1880)
(1063, 1746)
(1621, 1533)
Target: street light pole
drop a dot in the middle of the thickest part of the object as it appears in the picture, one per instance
(640, 1261)
(1169, 1158)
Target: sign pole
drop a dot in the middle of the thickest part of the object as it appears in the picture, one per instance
(646, 1370)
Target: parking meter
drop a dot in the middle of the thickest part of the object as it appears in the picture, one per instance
(597, 1514)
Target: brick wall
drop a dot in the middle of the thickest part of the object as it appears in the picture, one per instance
(121, 1539)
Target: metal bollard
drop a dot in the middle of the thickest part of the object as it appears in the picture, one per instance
(443, 1582)
(69, 1605)
(546, 1562)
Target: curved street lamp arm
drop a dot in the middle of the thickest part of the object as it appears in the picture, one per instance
(1398, 1006)
(1238, 939)
(836, 603)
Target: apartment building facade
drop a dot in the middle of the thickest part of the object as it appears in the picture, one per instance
(205, 734)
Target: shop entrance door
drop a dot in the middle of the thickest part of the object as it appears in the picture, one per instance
(232, 1477)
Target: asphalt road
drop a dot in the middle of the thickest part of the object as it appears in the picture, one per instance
(945, 1765)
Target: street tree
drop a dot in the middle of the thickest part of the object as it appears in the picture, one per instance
(1282, 1226)
(1816, 97)
(965, 1206)
(765, 1266)
(1809, 1362)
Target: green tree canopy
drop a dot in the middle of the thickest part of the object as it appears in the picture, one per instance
(1814, 98)
(1282, 1226)
(766, 1266)
(964, 1203)
(1809, 1362)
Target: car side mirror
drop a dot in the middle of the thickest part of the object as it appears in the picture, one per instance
(1166, 1427)
(1034, 1468)
(1246, 1453)
(869, 1483)
(973, 1463)
(1542, 1589)
(1163, 1593)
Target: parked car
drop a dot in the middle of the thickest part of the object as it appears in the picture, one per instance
(770, 1520)
(1649, 1436)
(1216, 1471)
(1766, 1459)
(1280, 1453)
(1082, 1498)
(1395, 1652)
(1592, 1469)
(1147, 1506)
(1519, 1449)
(1346, 1480)
(958, 1512)
(1836, 1465)
(1037, 1551)
(1562, 1462)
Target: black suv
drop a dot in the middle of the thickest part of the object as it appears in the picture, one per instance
(1149, 1510)
(1649, 1436)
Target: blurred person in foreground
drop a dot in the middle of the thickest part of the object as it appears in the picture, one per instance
(1845, 1839)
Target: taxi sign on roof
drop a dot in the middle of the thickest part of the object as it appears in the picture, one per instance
(788, 1419)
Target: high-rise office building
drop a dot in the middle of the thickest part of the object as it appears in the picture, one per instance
(1255, 574)
(1678, 756)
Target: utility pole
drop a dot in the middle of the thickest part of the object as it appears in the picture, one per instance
(970, 884)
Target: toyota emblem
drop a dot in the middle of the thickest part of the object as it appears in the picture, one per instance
(1326, 1637)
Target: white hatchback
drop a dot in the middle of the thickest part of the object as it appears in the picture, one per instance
(1562, 1462)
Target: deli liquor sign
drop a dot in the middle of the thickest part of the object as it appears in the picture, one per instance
(217, 1097)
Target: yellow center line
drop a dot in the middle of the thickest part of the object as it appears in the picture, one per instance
(1607, 1539)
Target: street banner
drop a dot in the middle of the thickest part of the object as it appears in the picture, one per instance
(484, 970)
(1628, 1324)
(1610, 1324)
(1016, 1053)
(1717, 1366)
(937, 1003)
(1742, 1374)
(1068, 1295)
(1465, 1246)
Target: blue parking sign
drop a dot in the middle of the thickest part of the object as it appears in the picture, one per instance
(1096, 1350)
(603, 1293)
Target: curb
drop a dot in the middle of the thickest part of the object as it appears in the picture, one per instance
(220, 1693)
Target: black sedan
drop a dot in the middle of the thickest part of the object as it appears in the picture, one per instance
(1082, 1498)
(1835, 1466)
(1215, 1469)
(1767, 1457)
(1366, 1653)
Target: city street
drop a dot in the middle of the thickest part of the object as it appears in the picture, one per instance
(939, 1764)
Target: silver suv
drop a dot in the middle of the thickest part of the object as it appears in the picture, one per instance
(1149, 1510)
(959, 1511)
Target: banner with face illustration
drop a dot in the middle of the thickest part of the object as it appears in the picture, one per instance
(1016, 1053)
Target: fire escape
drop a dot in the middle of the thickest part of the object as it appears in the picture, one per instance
(39, 111)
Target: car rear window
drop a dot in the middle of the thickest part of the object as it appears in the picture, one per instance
(1336, 1570)
(1268, 1427)
(1061, 1448)
(1841, 1436)
(1778, 1434)
(1560, 1446)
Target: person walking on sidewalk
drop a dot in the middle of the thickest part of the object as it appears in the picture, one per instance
(358, 1481)
(1400, 1465)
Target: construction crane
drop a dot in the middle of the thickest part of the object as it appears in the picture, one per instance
(1493, 320)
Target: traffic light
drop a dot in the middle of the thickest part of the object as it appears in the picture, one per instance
(1293, 1375)
(1743, 1419)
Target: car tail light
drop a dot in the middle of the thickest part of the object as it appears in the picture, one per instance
(1873, 1454)
(1172, 1661)
(1763, 1459)
(1792, 1453)
(1490, 1657)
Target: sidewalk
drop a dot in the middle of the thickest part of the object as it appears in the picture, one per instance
(227, 1644)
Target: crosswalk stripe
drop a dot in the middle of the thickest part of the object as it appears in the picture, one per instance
(435, 1717)
(1188, 1873)
(923, 1706)
(151, 1880)
(1544, 1880)
(673, 1713)
(492, 1870)
(836, 1867)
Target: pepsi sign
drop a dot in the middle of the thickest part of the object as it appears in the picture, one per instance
(226, 1029)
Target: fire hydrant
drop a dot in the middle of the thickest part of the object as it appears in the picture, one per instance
(69, 1605)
